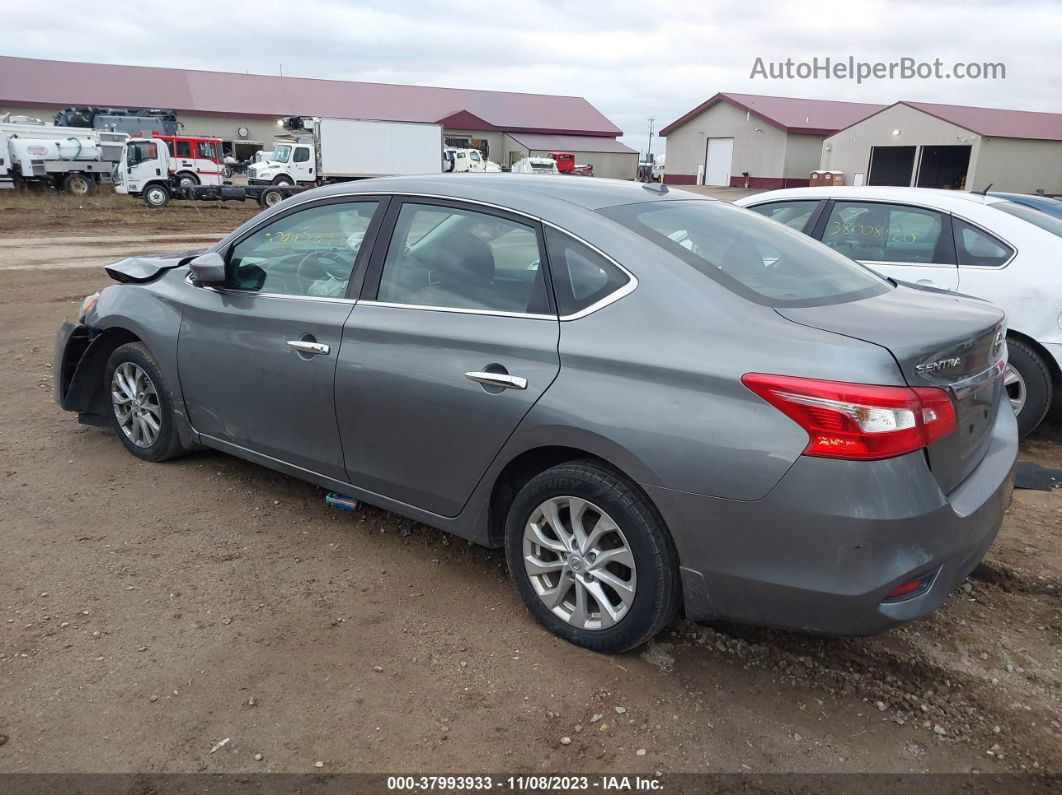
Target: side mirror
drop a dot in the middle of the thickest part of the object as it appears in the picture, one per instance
(208, 268)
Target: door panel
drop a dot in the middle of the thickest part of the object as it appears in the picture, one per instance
(244, 384)
(415, 428)
(257, 358)
(460, 297)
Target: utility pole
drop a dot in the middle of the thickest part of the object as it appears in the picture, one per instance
(649, 153)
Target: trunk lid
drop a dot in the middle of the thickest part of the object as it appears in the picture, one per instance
(938, 339)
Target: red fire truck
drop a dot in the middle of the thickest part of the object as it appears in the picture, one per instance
(566, 164)
(194, 160)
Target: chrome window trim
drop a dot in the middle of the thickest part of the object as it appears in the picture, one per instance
(616, 295)
(457, 310)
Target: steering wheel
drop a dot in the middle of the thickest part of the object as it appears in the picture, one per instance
(312, 266)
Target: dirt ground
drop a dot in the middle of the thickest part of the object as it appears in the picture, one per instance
(150, 611)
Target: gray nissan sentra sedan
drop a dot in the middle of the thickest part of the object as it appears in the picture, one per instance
(651, 400)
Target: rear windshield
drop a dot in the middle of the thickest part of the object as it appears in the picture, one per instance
(1032, 215)
(751, 255)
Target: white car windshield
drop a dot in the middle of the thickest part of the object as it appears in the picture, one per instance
(281, 154)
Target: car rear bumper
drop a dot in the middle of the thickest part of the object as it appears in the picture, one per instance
(823, 549)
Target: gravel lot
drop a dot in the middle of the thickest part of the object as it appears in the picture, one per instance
(148, 612)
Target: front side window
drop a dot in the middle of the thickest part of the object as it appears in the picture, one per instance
(311, 252)
(281, 153)
(463, 259)
(759, 260)
(474, 155)
(976, 247)
(874, 232)
(140, 151)
(794, 214)
(206, 150)
(302, 154)
(581, 276)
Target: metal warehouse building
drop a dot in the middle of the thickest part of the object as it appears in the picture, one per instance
(746, 140)
(242, 109)
(950, 146)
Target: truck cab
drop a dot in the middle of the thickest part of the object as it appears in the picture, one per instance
(290, 163)
(145, 171)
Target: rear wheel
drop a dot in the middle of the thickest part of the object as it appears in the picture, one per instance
(141, 404)
(591, 558)
(270, 197)
(156, 195)
(1028, 384)
(79, 185)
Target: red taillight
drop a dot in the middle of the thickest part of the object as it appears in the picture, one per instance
(858, 421)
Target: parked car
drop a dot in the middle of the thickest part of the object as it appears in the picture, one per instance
(744, 424)
(984, 246)
(1045, 204)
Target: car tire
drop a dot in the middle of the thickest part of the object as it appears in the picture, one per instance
(133, 381)
(1029, 385)
(79, 185)
(653, 578)
(156, 196)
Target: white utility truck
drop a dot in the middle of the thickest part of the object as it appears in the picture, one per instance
(460, 161)
(329, 150)
(72, 159)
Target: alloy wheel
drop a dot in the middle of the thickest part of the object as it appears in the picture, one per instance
(1015, 386)
(136, 404)
(579, 563)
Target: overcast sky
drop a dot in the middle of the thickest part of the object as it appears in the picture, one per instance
(632, 60)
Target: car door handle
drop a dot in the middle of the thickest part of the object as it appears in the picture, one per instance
(498, 379)
(312, 348)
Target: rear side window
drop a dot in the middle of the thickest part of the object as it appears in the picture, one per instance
(793, 214)
(455, 258)
(184, 149)
(976, 247)
(764, 262)
(581, 276)
(874, 232)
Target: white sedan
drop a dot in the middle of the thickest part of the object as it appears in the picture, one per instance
(984, 246)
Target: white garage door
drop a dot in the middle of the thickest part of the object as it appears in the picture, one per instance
(720, 154)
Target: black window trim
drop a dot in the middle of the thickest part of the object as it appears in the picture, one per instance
(947, 240)
(358, 272)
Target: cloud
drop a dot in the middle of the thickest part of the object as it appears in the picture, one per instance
(632, 60)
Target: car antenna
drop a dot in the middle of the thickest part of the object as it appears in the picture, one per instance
(655, 187)
(986, 190)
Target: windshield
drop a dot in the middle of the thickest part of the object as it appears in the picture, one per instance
(757, 258)
(281, 153)
(1040, 218)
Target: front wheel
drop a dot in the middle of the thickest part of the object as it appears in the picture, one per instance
(156, 196)
(282, 182)
(591, 558)
(1028, 384)
(141, 404)
(187, 179)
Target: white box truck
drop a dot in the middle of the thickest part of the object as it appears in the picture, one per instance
(328, 150)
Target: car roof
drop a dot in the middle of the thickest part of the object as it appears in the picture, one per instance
(944, 199)
(530, 193)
